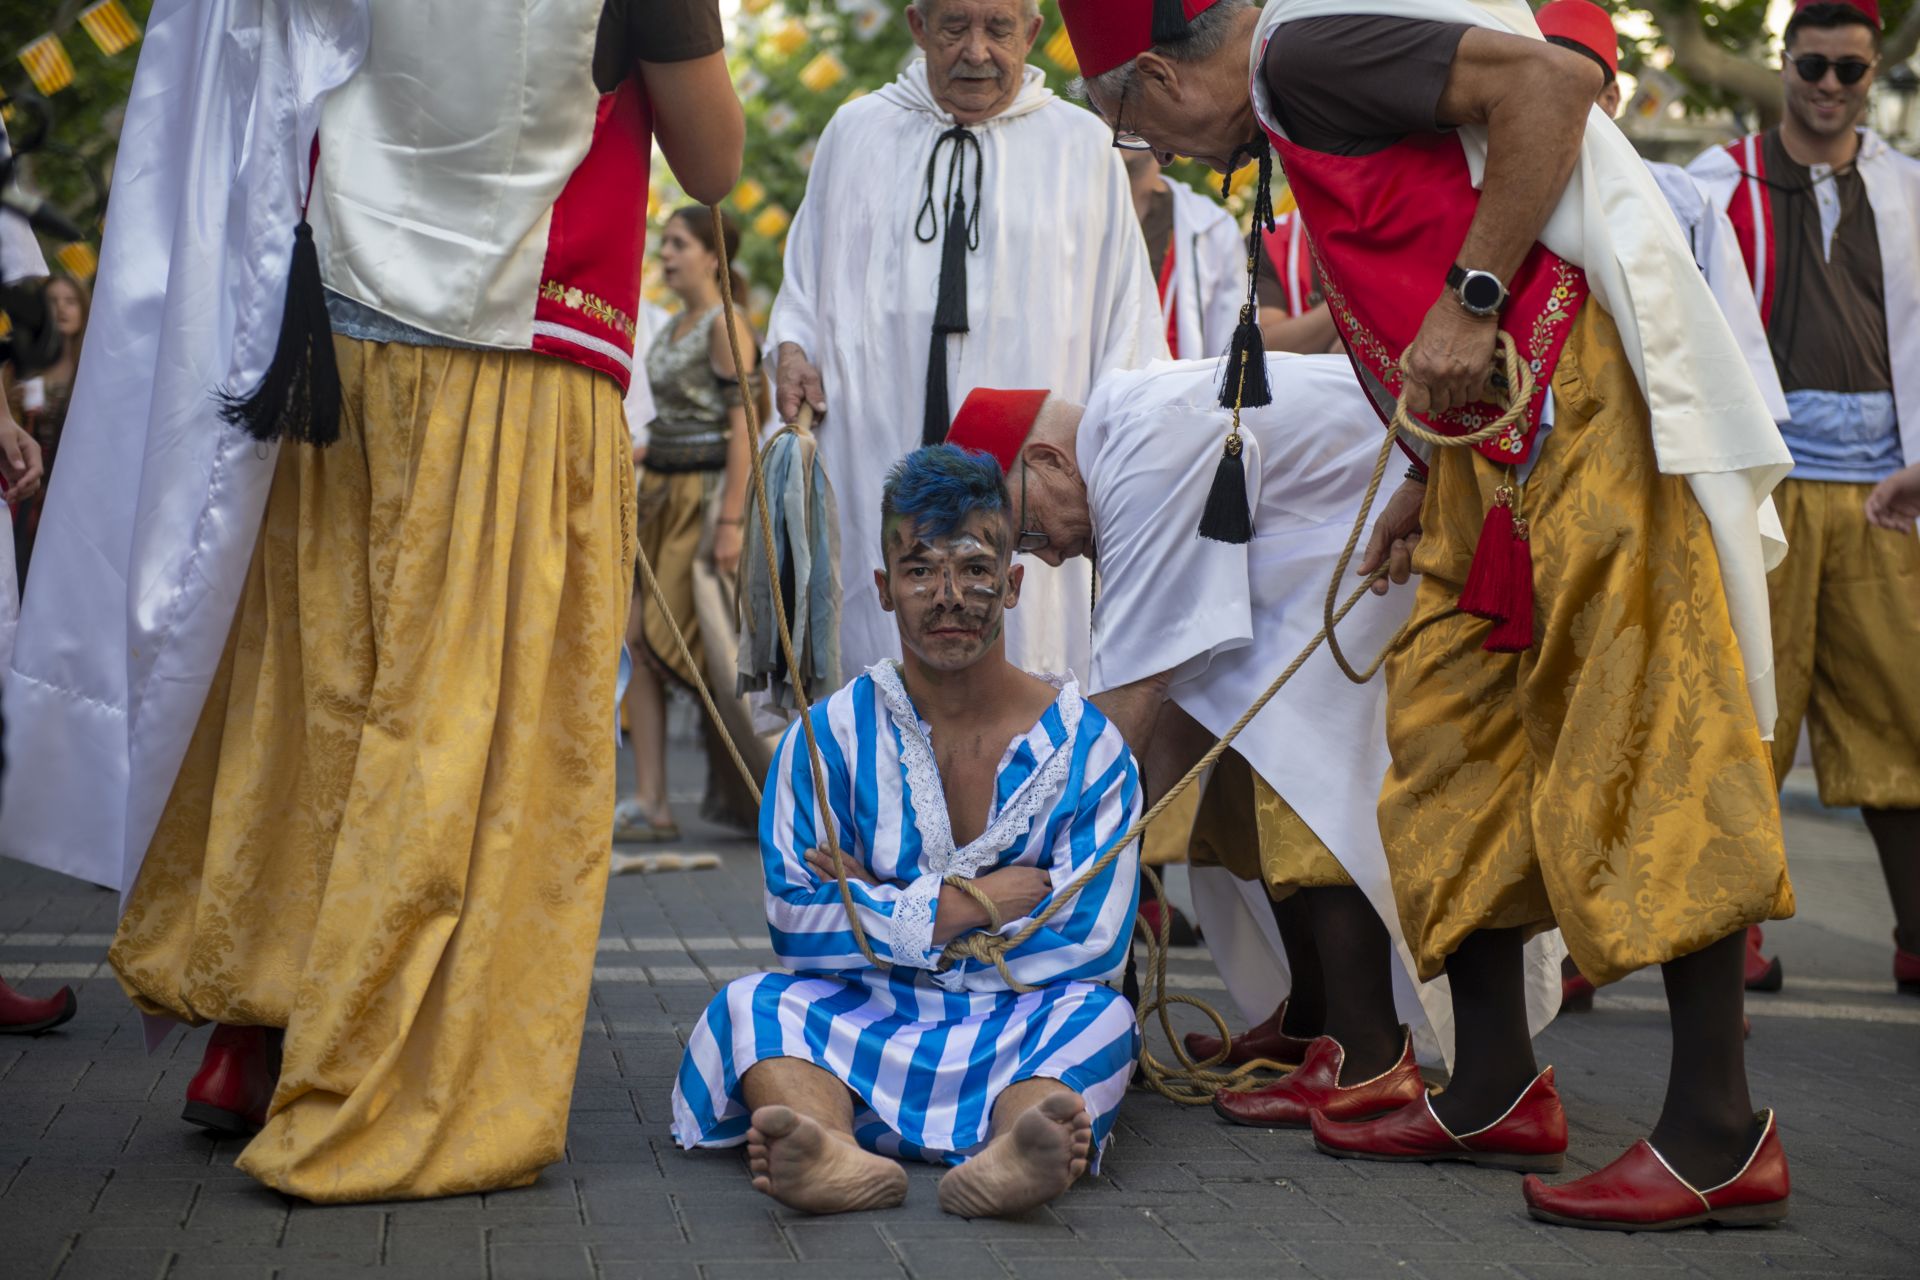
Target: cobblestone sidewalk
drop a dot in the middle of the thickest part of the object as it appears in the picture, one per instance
(100, 1177)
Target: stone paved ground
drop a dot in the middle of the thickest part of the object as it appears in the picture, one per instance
(99, 1177)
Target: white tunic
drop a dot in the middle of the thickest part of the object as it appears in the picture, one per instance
(1226, 619)
(1058, 292)
(1209, 273)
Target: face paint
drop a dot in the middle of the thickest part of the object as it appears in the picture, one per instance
(949, 592)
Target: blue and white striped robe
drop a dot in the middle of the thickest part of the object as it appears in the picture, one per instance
(928, 1052)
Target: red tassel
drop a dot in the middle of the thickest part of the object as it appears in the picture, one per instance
(1499, 584)
(1479, 596)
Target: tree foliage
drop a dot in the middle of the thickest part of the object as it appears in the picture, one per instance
(73, 166)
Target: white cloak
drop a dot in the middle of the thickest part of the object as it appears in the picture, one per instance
(151, 520)
(1226, 619)
(1716, 251)
(1058, 292)
(1209, 273)
(1892, 182)
(1709, 420)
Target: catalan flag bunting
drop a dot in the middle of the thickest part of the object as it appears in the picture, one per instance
(47, 63)
(110, 26)
(79, 260)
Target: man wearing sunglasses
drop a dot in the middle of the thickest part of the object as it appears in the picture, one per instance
(1828, 219)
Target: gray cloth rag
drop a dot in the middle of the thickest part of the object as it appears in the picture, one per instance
(806, 537)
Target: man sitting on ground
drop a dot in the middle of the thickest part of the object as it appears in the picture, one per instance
(949, 765)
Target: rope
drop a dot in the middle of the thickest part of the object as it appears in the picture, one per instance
(1188, 1082)
(699, 681)
(823, 806)
(1194, 1083)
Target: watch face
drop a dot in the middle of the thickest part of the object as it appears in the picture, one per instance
(1480, 291)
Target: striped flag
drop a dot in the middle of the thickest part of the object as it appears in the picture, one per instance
(47, 64)
(78, 259)
(109, 25)
(1059, 51)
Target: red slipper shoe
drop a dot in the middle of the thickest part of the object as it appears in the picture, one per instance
(1906, 970)
(1762, 974)
(24, 1016)
(1264, 1041)
(230, 1092)
(1576, 993)
(1291, 1102)
(1641, 1192)
(1529, 1137)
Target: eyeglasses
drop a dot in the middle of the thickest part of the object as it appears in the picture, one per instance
(1126, 139)
(1029, 539)
(1813, 68)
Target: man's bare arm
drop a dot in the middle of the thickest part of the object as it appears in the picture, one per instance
(1533, 98)
(698, 123)
(1178, 743)
(1135, 709)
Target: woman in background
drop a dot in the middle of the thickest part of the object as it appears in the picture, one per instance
(39, 404)
(693, 503)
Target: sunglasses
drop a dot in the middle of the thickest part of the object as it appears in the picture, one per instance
(1813, 68)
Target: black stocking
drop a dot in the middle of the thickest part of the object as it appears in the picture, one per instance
(1896, 833)
(1492, 1052)
(1307, 998)
(1706, 1127)
(1356, 956)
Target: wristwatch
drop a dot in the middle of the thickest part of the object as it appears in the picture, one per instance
(1480, 292)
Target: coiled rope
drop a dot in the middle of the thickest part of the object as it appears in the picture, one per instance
(1187, 1081)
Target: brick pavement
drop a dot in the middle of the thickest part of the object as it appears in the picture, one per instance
(99, 1177)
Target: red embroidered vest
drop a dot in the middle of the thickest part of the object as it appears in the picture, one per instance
(590, 281)
(1751, 212)
(1384, 229)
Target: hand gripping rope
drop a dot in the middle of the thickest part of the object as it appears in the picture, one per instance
(1189, 1082)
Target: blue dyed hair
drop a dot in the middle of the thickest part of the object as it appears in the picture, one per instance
(939, 486)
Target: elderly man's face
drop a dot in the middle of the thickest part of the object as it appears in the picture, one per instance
(1169, 107)
(949, 593)
(976, 52)
(1050, 499)
(1824, 107)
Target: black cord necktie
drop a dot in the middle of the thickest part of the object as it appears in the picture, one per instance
(962, 235)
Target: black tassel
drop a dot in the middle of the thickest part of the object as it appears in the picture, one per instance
(1226, 517)
(950, 310)
(1243, 380)
(933, 427)
(299, 396)
(1169, 21)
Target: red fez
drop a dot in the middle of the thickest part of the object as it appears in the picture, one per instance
(996, 422)
(1869, 7)
(1585, 24)
(1109, 33)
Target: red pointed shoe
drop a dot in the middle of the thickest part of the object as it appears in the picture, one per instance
(1290, 1102)
(1641, 1192)
(1906, 970)
(1576, 993)
(1762, 974)
(24, 1016)
(230, 1092)
(1529, 1137)
(1264, 1041)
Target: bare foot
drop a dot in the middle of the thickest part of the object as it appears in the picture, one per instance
(1041, 1156)
(804, 1167)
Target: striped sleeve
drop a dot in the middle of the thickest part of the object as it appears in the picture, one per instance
(806, 917)
(1087, 939)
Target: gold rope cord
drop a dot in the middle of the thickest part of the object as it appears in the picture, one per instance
(1188, 1082)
